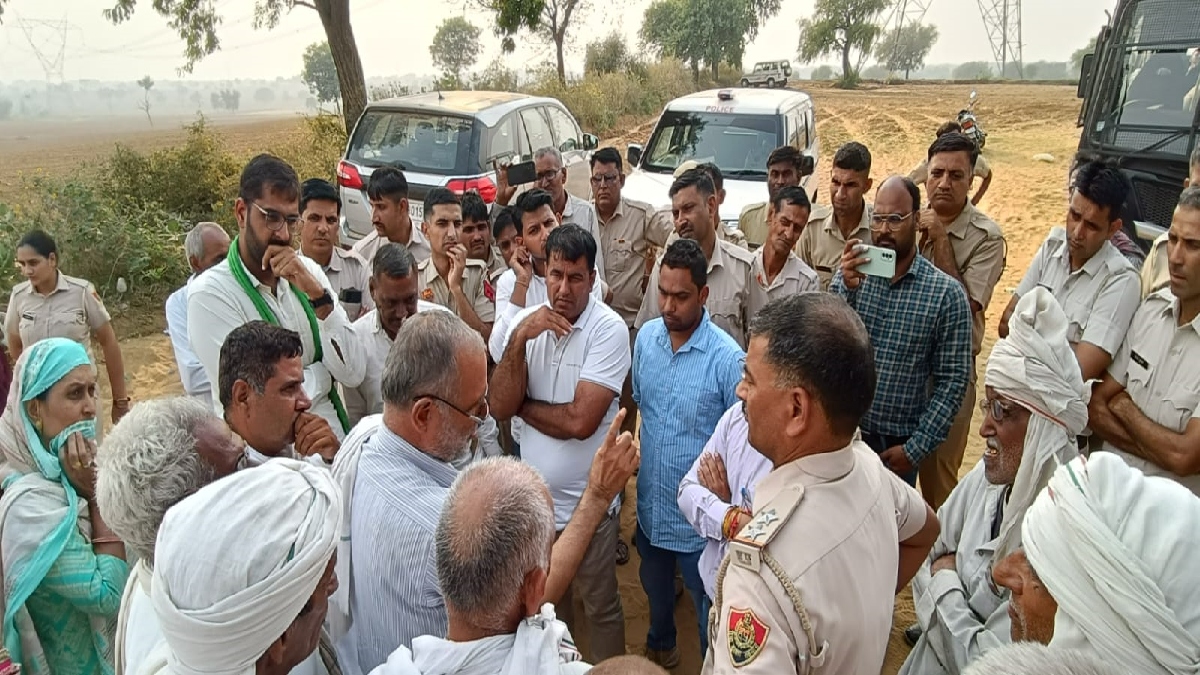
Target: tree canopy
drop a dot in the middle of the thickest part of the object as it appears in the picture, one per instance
(704, 31)
(841, 27)
(455, 49)
(319, 73)
(904, 50)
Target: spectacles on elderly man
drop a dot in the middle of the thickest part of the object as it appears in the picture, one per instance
(889, 221)
(481, 407)
(999, 409)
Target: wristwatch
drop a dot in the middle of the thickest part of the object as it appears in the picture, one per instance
(322, 300)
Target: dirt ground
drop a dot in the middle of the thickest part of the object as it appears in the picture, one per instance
(1027, 198)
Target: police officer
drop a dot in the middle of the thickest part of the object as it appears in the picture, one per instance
(348, 273)
(963, 242)
(785, 168)
(52, 304)
(847, 217)
(808, 582)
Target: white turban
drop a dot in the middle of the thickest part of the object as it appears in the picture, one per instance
(1117, 550)
(237, 561)
(1036, 367)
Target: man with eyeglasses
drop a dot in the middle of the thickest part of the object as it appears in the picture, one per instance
(264, 279)
(920, 328)
(395, 482)
(1033, 411)
(963, 242)
(320, 207)
(561, 369)
(847, 217)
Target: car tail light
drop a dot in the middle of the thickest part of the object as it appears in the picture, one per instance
(348, 176)
(483, 185)
(968, 124)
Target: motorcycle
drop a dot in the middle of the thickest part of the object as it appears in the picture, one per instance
(970, 125)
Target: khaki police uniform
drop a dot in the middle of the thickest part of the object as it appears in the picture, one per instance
(920, 173)
(753, 223)
(979, 254)
(728, 288)
(1155, 275)
(495, 264)
(1157, 366)
(72, 310)
(1099, 298)
(436, 289)
(350, 277)
(628, 238)
(417, 245)
(808, 584)
(821, 243)
(795, 277)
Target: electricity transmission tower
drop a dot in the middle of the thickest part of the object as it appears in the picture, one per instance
(905, 13)
(48, 40)
(1002, 19)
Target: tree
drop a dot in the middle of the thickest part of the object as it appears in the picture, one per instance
(904, 50)
(146, 84)
(704, 31)
(389, 89)
(973, 70)
(607, 55)
(455, 48)
(840, 27)
(264, 95)
(320, 74)
(1078, 54)
(496, 77)
(6, 107)
(822, 73)
(197, 21)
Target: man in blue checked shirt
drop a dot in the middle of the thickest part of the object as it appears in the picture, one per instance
(920, 326)
(685, 375)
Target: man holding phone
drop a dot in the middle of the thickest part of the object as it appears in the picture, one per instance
(920, 327)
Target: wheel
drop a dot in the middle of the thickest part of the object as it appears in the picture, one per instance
(745, 83)
(770, 83)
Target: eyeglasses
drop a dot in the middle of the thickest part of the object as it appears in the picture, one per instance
(547, 176)
(478, 420)
(997, 408)
(606, 179)
(890, 221)
(276, 220)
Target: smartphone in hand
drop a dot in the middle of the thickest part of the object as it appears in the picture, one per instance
(521, 173)
(882, 262)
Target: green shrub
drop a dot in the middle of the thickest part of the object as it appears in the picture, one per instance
(100, 239)
(314, 148)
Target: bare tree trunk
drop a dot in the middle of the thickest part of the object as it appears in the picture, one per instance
(846, 74)
(716, 68)
(335, 17)
(695, 71)
(559, 38)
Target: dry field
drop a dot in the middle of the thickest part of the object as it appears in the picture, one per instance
(1027, 198)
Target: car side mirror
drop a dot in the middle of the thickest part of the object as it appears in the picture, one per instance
(1085, 75)
(807, 165)
(633, 154)
(591, 141)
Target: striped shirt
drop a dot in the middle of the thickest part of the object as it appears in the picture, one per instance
(920, 328)
(681, 396)
(398, 496)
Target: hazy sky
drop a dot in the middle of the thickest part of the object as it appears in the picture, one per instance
(393, 37)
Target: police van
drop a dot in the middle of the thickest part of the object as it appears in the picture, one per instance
(736, 129)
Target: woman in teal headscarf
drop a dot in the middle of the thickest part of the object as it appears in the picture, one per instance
(63, 569)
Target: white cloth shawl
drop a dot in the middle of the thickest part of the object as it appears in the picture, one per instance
(236, 562)
(1036, 367)
(1117, 550)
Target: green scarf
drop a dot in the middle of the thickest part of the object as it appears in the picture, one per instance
(243, 279)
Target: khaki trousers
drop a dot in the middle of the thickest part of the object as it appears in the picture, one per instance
(938, 473)
(596, 585)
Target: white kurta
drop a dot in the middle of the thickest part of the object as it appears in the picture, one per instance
(960, 614)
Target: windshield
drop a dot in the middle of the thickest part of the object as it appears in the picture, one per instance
(413, 141)
(738, 144)
(1159, 87)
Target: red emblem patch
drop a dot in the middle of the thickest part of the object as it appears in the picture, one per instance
(747, 636)
(427, 295)
(489, 291)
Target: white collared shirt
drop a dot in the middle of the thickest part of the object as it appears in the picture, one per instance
(367, 398)
(581, 212)
(217, 303)
(597, 351)
(191, 371)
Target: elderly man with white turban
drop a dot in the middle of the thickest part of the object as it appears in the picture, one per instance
(1035, 407)
(243, 571)
(1108, 567)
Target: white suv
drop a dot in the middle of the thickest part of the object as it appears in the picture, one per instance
(770, 73)
(736, 129)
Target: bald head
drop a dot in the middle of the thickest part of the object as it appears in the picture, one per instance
(627, 665)
(901, 191)
(493, 544)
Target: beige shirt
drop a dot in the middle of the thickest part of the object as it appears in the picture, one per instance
(728, 282)
(1099, 298)
(795, 277)
(628, 239)
(753, 223)
(832, 522)
(1155, 275)
(920, 172)
(495, 264)
(436, 289)
(350, 277)
(72, 310)
(579, 212)
(979, 252)
(821, 243)
(417, 245)
(1157, 366)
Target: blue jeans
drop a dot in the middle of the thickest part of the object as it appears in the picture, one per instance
(657, 572)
